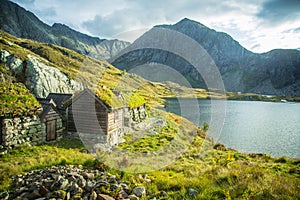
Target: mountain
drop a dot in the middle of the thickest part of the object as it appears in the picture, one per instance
(21, 23)
(276, 72)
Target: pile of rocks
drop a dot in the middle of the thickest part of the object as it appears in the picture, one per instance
(71, 182)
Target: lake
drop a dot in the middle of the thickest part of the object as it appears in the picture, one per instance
(247, 126)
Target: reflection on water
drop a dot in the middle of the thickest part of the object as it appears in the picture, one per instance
(249, 126)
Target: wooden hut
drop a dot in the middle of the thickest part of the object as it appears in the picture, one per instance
(94, 119)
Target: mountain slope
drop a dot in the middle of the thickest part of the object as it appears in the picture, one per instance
(276, 72)
(21, 23)
(45, 68)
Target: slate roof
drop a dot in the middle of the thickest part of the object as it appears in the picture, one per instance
(47, 104)
(59, 99)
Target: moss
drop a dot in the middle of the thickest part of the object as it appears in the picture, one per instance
(16, 100)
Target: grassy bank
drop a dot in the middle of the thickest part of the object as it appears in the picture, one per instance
(210, 171)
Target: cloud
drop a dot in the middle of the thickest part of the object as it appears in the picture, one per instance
(145, 14)
(275, 12)
(251, 22)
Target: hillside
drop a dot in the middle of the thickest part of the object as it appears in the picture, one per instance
(46, 68)
(276, 72)
(24, 24)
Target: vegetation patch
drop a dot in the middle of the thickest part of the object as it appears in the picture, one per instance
(16, 100)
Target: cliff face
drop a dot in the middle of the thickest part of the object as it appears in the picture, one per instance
(21, 23)
(275, 72)
(39, 78)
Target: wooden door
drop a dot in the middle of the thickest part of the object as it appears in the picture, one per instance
(51, 130)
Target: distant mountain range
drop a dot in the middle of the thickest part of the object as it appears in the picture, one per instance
(21, 23)
(276, 72)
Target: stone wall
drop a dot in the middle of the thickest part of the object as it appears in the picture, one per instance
(16, 132)
(138, 114)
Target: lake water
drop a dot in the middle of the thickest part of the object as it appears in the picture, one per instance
(249, 126)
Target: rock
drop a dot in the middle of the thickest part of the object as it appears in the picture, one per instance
(139, 191)
(163, 194)
(64, 183)
(192, 192)
(43, 190)
(122, 194)
(133, 197)
(93, 196)
(75, 189)
(34, 195)
(81, 182)
(88, 176)
(4, 195)
(89, 186)
(68, 196)
(104, 197)
(60, 194)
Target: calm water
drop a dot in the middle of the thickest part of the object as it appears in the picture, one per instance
(249, 126)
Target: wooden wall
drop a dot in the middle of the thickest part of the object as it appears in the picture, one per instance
(115, 120)
(87, 115)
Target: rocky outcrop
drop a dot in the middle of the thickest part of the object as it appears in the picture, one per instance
(276, 72)
(71, 182)
(38, 77)
(21, 23)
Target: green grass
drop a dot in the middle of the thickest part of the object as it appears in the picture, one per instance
(16, 100)
(215, 172)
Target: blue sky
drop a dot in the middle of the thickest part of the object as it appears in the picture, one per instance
(259, 25)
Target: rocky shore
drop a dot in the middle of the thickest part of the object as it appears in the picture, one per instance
(71, 183)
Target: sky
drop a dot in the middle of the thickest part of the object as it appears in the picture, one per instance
(258, 25)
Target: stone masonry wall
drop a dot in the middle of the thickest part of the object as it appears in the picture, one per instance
(16, 132)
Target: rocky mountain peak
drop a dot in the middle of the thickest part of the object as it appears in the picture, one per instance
(21, 23)
(275, 72)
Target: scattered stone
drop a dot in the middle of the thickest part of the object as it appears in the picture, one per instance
(34, 195)
(192, 192)
(4, 195)
(122, 194)
(89, 176)
(139, 191)
(93, 196)
(163, 194)
(133, 197)
(104, 197)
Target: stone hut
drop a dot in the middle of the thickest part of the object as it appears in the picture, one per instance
(51, 117)
(60, 99)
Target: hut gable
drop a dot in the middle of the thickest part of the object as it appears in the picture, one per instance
(89, 115)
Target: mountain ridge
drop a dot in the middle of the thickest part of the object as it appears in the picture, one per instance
(22, 23)
(276, 72)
